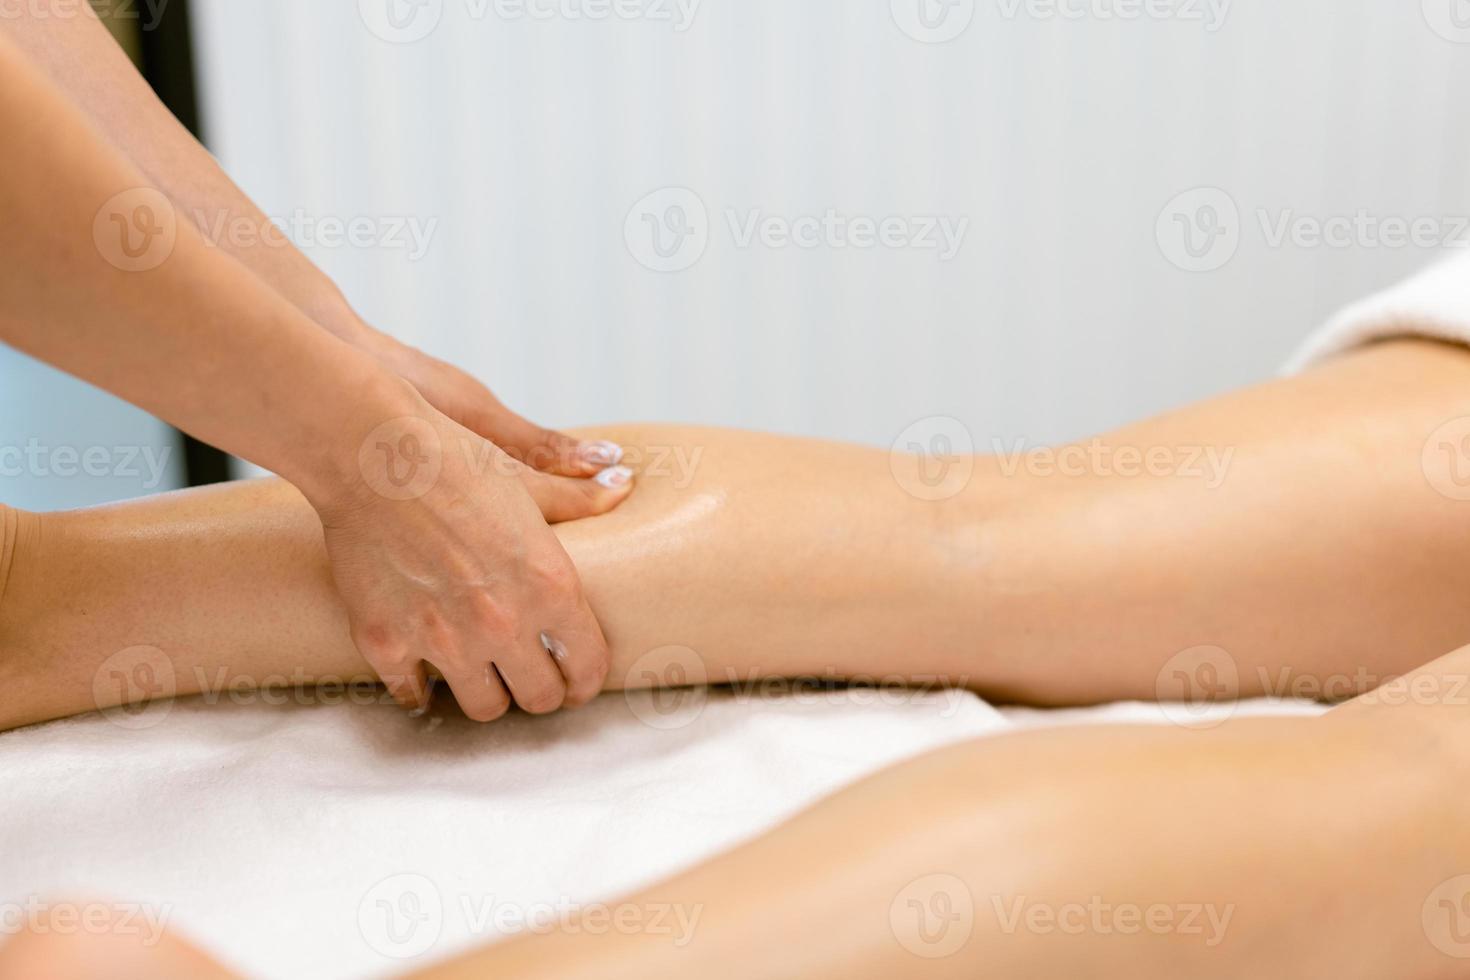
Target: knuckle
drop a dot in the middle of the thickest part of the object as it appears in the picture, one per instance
(596, 499)
(588, 672)
(550, 445)
(492, 619)
(555, 576)
(506, 630)
(378, 641)
(542, 700)
(553, 449)
(485, 708)
(582, 694)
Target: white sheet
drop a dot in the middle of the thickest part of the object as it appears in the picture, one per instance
(271, 833)
(265, 829)
(283, 836)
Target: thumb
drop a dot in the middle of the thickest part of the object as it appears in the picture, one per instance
(564, 498)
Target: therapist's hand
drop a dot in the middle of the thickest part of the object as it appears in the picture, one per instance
(463, 399)
(443, 558)
(467, 401)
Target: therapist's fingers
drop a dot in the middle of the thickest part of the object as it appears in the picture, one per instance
(465, 399)
(477, 687)
(579, 649)
(471, 678)
(535, 683)
(550, 451)
(534, 445)
(563, 498)
(401, 672)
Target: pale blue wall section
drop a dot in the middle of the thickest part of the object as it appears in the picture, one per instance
(66, 444)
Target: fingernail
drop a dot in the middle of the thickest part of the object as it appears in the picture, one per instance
(601, 453)
(553, 646)
(614, 477)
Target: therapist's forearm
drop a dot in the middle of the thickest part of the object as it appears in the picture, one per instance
(199, 340)
(67, 42)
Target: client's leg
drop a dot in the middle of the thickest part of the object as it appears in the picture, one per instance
(760, 554)
(1322, 549)
(1333, 847)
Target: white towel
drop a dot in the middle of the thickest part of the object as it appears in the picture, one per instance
(1435, 303)
(333, 841)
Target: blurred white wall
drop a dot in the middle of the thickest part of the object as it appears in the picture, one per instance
(522, 135)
